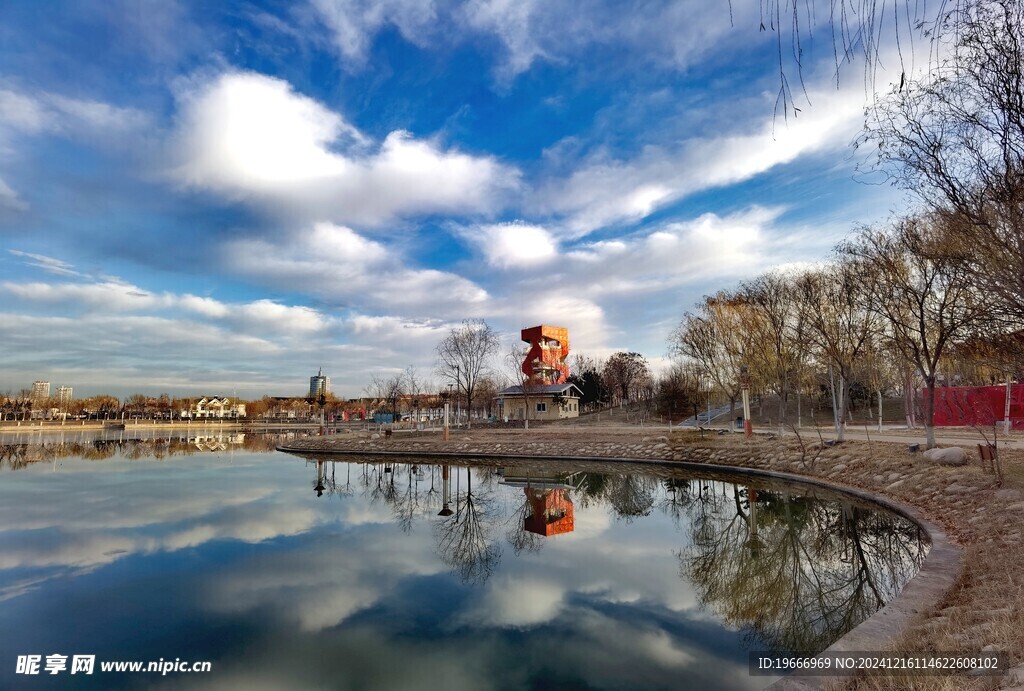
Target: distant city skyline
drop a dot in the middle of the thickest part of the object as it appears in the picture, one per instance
(195, 198)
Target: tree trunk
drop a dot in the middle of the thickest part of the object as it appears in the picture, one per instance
(841, 436)
(908, 400)
(835, 407)
(929, 411)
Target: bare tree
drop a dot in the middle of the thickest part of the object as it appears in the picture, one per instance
(514, 367)
(715, 339)
(956, 139)
(678, 390)
(414, 387)
(923, 291)
(836, 306)
(387, 389)
(626, 371)
(771, 319)
(464, 355)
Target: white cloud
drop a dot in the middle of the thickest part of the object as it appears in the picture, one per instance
(9, 199)
(251, 137)
(510, 21)
(667, 34)
(35, 113)
(341, 265)
(355, 22)
(512, 245)
(518, 602)
(49, 264)
(605, 191)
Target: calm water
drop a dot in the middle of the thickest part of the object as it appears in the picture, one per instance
(287, 572)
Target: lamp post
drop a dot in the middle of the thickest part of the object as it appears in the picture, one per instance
(446, 395)
(748, 427)
(322, 400)
(458, 394)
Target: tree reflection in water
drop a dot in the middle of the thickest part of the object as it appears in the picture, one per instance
(465, 539)
(796, 572)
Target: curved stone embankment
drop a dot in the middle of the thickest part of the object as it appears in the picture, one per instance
(956, 603)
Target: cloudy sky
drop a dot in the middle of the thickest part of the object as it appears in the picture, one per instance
(218, 197)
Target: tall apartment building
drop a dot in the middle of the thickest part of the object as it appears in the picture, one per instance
(40, 390)
(319, 384)
(64, 394)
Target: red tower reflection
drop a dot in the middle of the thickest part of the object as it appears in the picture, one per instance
(551, 512)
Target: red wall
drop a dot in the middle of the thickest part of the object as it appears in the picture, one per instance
(957, 406)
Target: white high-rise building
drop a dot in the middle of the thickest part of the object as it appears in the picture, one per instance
(64, 394)
(319, 384)
(40, 390)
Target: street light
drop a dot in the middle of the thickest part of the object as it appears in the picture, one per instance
(446, 395)
(748, 428)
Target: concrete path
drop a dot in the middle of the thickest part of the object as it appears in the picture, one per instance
(957, 437)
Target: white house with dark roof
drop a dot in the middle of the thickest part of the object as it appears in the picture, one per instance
(544, 401)
(214, 407)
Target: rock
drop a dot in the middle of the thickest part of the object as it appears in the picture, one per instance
(1019, 506)
(839, 467)
(1009, 494)
(959, 489)
(951, 456)
(1016, 675)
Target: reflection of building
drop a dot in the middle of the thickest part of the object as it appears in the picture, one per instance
(64, 394)
(320, 384)
(550, 509)
(551, 512)
(218, 442)
(40, 390)
(213, 407)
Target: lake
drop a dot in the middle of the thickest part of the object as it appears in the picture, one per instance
(291, 572)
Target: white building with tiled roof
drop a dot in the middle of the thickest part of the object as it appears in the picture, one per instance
(543, 401)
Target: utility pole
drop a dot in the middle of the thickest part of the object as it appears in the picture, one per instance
(1006, 408)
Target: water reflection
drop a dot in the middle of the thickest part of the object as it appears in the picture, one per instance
(792, 571)
(324, 573)
(795, 572)
(18, 454)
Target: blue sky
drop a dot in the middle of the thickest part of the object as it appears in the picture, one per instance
(222, 197)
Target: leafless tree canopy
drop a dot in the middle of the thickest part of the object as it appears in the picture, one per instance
(464, 356)
(923, 291)
(625, 372)
(956, 139)
(857, 29)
